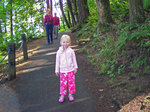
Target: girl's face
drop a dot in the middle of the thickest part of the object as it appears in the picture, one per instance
(48, 11)
(65, 43)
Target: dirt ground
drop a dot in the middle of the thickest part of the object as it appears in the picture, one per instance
(108, 99)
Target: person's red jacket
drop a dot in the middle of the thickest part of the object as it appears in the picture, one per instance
(48, 18)
(56, 20)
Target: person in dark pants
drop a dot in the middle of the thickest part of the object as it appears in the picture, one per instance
(48, 25)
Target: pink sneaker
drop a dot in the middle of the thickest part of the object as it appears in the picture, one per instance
(71, 98)
(61, 99)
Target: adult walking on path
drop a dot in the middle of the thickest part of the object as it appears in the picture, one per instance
(36, 87)
(56, 25)
(48, 25)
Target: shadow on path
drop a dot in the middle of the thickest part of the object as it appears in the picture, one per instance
(37, 89)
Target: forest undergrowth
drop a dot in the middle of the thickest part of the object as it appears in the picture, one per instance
(120, 52)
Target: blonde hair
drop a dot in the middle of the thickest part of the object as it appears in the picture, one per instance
(67, 37)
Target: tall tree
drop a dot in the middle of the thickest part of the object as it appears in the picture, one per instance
(63, 14)
(0, 24)
(136, 11)
(104, 15)
(51, 4)
(63, 22)
(83, 10)
(47, 4)
(69, 19)
(75, 10)
(42, 12)
(71, 11)
(11, 17)
(4, 20)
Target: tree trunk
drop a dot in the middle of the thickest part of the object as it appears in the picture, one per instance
(42, 12)
(63, 22)
(5, 29)
(11, 18)
(4, 18)
(75, 10)
(0, 24)
(69, 19)
(83, 10)
(64, 16)
(136, 11)
(47, 4)
(51, 3)
(70, 9)
(104, 15)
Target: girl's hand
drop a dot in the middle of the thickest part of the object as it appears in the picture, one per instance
(57, 74)
(75, 71)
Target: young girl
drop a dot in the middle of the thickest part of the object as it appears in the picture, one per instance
(66, 66)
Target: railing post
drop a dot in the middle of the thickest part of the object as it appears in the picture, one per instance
(11, 62)
(25, 53)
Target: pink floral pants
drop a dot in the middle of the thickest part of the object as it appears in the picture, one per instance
(65, 78)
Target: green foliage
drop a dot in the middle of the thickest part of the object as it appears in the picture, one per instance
(23, 13)
(120, 69)
(117, 48)
(27, 18)
(112, 56)
(126, 33)
(62, 30)
(146, 4)
(107, 47)
(92, 7)
(84, 50)
(119, 8)
(137, 63)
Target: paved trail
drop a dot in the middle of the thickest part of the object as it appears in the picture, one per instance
(37, 89)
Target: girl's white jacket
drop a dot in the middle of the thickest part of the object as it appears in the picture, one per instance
(65, 60)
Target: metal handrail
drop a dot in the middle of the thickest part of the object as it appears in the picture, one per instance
(5, 56)
(20, 47)
(9, 51)
(7, 68)
(5, 73)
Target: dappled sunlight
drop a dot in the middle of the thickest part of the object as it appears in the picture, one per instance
(34, 49)
(42, 62)
(30, 51)
(23, 64)
(51, 53)
(74, 47)
(135, 105)
(32, 67)
(43, 50)
(28, 70)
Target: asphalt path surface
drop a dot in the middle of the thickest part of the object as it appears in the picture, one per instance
(37, 89)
